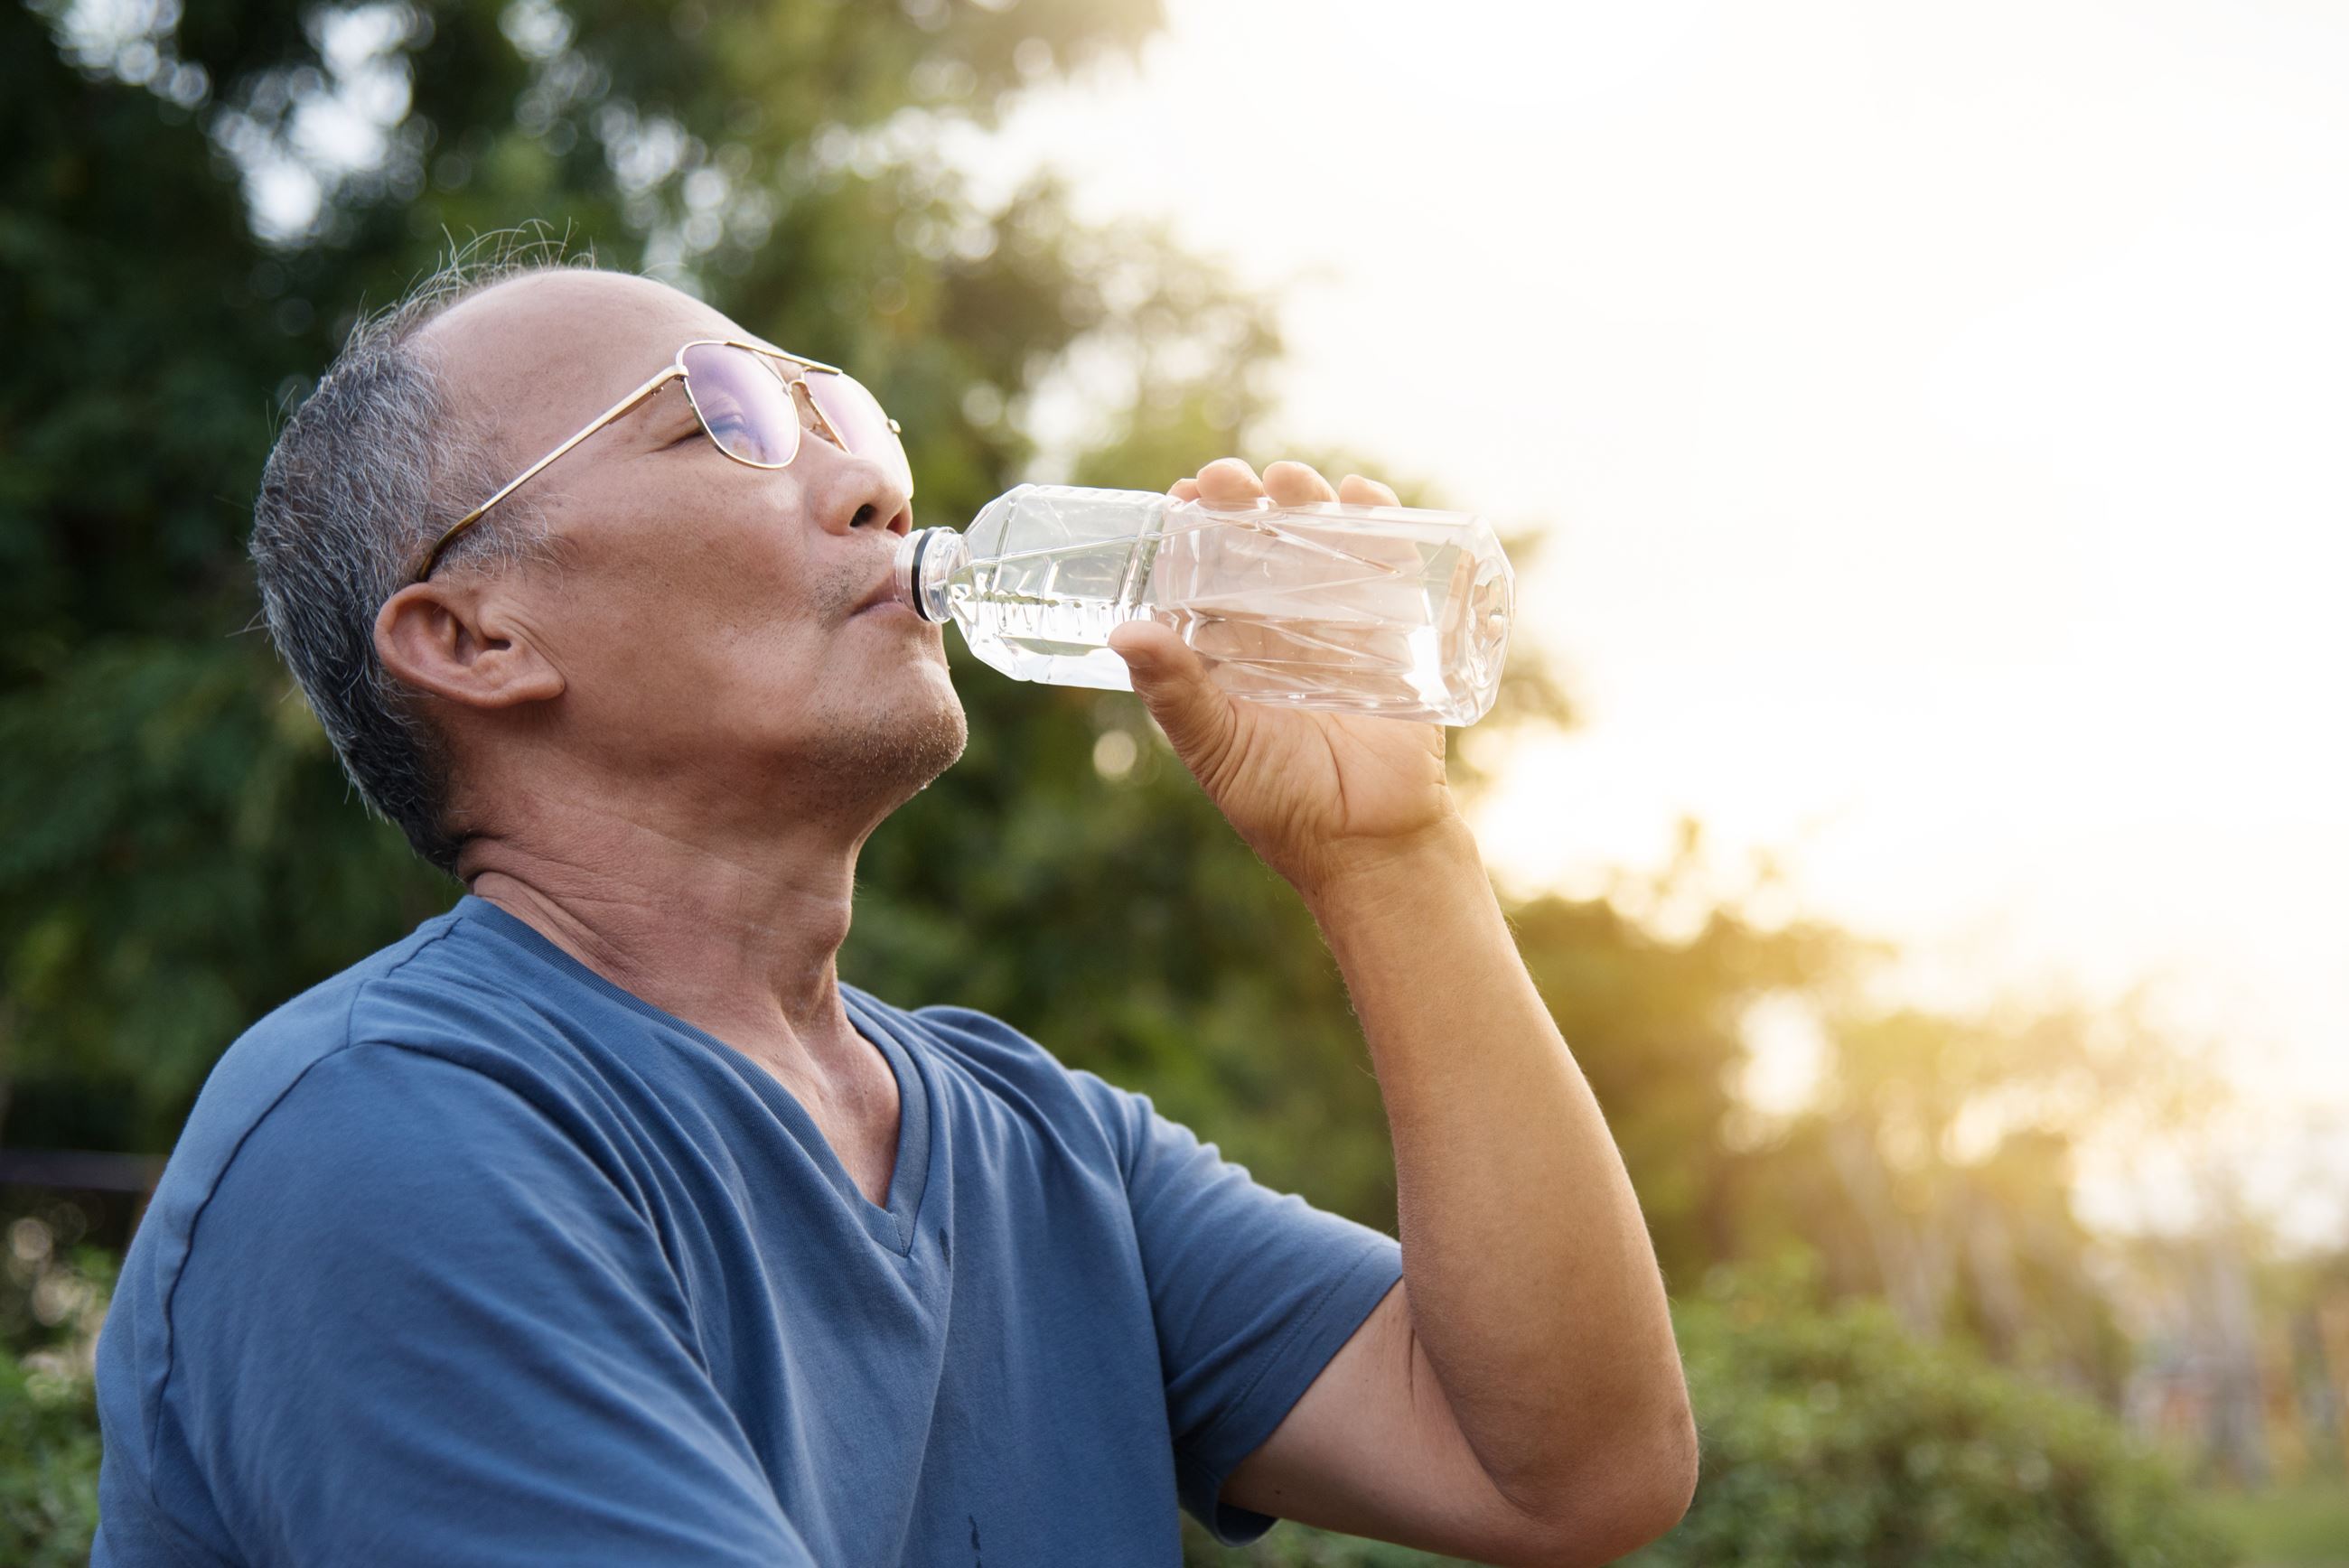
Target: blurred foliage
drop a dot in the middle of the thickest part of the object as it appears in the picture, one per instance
(182, 854)
(1933, 1169)
(193, 209)
(48, 1485)
(53, 1284)
(1834, 1438)
(2302, 1526)
(52, 1301)
(1658, 1027)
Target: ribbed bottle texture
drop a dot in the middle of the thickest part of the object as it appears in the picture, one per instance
(1382, 610)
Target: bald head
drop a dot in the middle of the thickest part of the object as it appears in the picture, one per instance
(525, 355)
(646, 626)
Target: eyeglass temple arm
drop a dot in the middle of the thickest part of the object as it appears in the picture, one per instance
(441, 545)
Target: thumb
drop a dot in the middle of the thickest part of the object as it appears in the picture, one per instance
(1172, 682)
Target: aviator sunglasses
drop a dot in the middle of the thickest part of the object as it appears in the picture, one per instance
(747, 396)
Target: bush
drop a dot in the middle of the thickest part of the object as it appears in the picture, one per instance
(53, 1298)
(48, 1480)
(1833, 1437)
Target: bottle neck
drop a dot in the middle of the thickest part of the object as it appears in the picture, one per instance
(928, 558)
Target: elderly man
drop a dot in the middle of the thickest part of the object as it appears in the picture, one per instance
(598, 1221)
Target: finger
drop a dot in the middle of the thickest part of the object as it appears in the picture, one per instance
(1184, 489)
(1172, 682)
(1360, 491)
(1228, 482)
(1296, 484)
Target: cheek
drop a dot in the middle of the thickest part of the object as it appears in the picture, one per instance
(766, 661)
(694, 623)
(697, 616)
(713, 538)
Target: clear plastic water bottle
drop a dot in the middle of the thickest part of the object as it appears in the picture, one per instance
(1385, 610)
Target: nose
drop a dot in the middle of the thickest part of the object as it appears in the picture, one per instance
(858, 496)
(893, 509)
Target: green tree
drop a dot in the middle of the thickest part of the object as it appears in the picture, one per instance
(1658, 1027)
(194, 208)
(1833, 1437)
(180, 852)
(1936, 1171)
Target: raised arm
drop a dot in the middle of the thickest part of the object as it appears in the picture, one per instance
(1530, 1332)
(1519, 1397)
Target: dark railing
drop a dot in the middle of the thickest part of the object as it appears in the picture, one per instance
(78, 1170)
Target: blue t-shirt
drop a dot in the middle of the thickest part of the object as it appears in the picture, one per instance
(469, 1256)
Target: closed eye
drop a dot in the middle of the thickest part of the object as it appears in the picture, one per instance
(680, 415)
(686, 429)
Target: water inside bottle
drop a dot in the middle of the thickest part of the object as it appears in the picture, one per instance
(1287, 607)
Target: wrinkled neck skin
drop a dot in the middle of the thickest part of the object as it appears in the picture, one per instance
(730, 920)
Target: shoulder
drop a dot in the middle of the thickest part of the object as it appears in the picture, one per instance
(316, 1137)
(383, 1156)
(396, 1235)
(983, 1043)
(436, 992)
(277, 1052)
(424, 1050)
(1013, 1065)
(980, 1036)
(319, 1134)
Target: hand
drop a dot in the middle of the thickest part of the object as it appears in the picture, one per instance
(1318, 796)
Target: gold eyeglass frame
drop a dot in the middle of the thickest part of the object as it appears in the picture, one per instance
(794, 386)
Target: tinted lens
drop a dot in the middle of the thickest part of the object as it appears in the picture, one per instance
(864, 428)
(743, 404)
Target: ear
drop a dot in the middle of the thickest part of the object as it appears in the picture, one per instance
(452, 642)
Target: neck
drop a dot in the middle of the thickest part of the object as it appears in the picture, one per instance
(733, 929)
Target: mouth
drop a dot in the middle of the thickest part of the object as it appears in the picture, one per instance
(882, 596)
(884, 603)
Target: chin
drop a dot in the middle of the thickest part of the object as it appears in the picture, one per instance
(883, 754)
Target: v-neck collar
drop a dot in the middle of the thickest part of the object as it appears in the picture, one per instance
(892, 1224)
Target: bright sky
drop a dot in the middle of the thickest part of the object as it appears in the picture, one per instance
(1937, 414)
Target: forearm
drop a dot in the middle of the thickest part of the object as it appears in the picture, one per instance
(1533, 1289)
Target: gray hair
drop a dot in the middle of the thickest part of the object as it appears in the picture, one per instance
(370, 470)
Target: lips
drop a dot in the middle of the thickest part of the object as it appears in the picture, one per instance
(883, 592)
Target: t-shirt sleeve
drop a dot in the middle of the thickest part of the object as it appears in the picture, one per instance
(1253, 1291)
(420, 1322)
